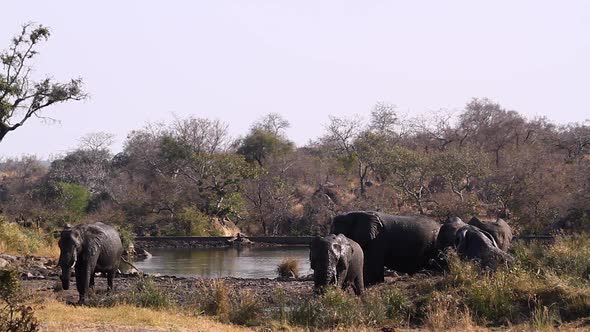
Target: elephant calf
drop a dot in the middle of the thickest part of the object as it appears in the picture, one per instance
(336, 259)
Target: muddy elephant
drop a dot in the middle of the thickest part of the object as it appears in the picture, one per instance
(336, 259)
(402, 243)
(89, 248)
(499, 229)
(474, 243)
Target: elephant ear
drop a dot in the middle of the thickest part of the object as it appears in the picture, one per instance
(367, 226)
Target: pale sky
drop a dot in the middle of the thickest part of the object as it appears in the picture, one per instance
(238, 60)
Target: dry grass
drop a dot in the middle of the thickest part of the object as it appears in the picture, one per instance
(56, 316)
(17, 240)
(288, 268)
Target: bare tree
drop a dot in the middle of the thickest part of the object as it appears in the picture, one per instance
(273, 123)
(96, 141)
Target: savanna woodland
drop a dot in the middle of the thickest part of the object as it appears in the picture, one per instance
(190, 177)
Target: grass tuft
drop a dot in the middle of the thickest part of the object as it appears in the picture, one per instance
(288, 268)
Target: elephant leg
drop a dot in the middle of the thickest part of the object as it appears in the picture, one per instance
(110, 277)
(358, 285)
(374, 269)
(91, 284)
(84, 273)
(341, 282)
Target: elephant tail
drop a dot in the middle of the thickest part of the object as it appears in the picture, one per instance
(129, 263)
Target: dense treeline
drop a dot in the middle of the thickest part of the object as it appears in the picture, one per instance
(189, 177)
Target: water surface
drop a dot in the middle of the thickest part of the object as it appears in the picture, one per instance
(223, 262)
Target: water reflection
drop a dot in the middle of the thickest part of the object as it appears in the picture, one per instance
(223, 262)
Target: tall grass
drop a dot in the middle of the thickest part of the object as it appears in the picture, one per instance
(288, 268)
(17, 240)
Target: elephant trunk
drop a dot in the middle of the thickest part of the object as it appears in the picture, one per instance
(66, 264)
(324, 277)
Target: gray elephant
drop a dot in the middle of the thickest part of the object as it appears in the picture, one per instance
(402, 243)
(335, 259)
(447, 233)
(89, 248)
(499, 229)
(476, 244)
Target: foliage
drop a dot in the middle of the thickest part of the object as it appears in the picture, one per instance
(20, 96)
(184, 177)
(246, 309)
(214, 299)
(260, 144)
(14, 315)
(144, 293)
(333, 309)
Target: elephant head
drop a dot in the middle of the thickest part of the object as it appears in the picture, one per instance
(474, 243)
(360, 226)
(499, 230)
(327, 256)
(448, 231)
(70, 243)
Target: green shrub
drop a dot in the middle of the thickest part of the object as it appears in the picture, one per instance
(385, 306)
(195, 222)
(14, 316)
(73, 197)
(127, 236)
(493, 298)
(334, 309)
(567, 256)
(144, 293)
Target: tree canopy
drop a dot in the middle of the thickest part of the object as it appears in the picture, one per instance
(21, 97)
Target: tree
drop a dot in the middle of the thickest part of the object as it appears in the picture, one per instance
(459, 168)
(266, 139)
(20, 96)
(96, 141)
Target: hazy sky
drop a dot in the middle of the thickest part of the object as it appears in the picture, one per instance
(238, 60)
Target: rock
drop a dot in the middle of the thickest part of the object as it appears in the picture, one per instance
(9, 258)
(142, 253)
(3, 263)
(27, 275)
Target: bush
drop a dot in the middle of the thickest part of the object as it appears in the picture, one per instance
(14, 316)
(333, 309)
(246, 309)
(288, 268)
(127, 236)
(385, 305)
(213, 299)
(144, 293)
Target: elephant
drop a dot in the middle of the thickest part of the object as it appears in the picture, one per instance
(402, 243)
(336, 259)
(499, 229)
(477, 244)
(447, 233)
(89, 248)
